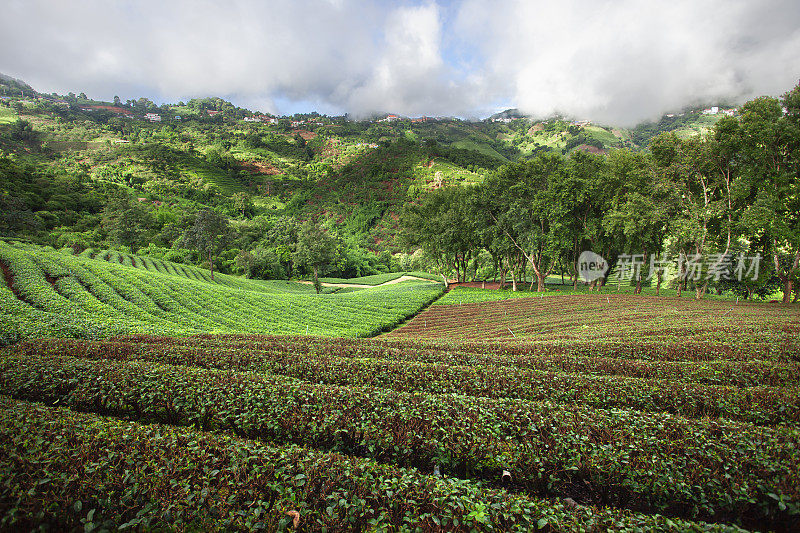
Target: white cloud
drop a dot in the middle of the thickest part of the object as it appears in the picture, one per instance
(410, 76)
(618, 61)
(626, 60)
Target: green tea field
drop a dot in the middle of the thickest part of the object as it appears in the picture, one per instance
(50, 293)
(144, 395)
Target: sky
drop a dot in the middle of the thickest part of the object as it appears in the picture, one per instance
(610, 61)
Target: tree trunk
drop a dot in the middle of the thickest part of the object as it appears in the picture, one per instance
(639, 275)
(575, 278)
(539, 281)
(700, 291)
(316, 279)
(786, 278)
(658, 283)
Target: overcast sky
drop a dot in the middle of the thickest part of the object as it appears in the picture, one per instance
(614, 61)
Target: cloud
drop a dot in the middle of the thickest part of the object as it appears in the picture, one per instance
(617, 61)
(623, 61)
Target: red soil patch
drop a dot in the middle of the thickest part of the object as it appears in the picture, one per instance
(113, 109)
(258, 167)
(305, 134)
(590, 149)
(536, 127)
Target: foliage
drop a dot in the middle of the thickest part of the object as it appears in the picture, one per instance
(254, 485)
(613, 454)
(56, 294)
(209, 235)
(316, 249)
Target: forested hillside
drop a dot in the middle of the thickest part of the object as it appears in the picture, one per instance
(138, 177)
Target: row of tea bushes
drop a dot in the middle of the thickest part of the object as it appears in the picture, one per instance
(64, 471)
(649, 462)
(760, 405)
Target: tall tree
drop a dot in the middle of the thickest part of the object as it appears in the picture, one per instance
(127, 222)
(210, 235)
(585, 194)
(444, 224)
(771, 148)
(639, 212)
(316, 249)
(703, 222)
(522, 200)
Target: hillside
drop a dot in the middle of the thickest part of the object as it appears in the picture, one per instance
(67, 161)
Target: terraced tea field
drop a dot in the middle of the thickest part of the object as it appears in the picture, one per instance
(48, 293)
(559, 413)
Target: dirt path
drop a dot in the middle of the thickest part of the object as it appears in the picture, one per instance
(358, 286)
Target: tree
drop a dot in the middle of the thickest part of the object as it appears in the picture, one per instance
(242, 203)
(127, 223)
(640, 210)
(697, 175)
(209, 235)
(585, 194)
(770, 144)
(521, 199)
(443, 223)
(316, 249)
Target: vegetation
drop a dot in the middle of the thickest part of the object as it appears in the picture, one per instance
(394, 402)
(48, 293)
(255, 485)
(701, 207)
(162, 367)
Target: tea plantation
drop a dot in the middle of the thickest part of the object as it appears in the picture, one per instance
(144, 395)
